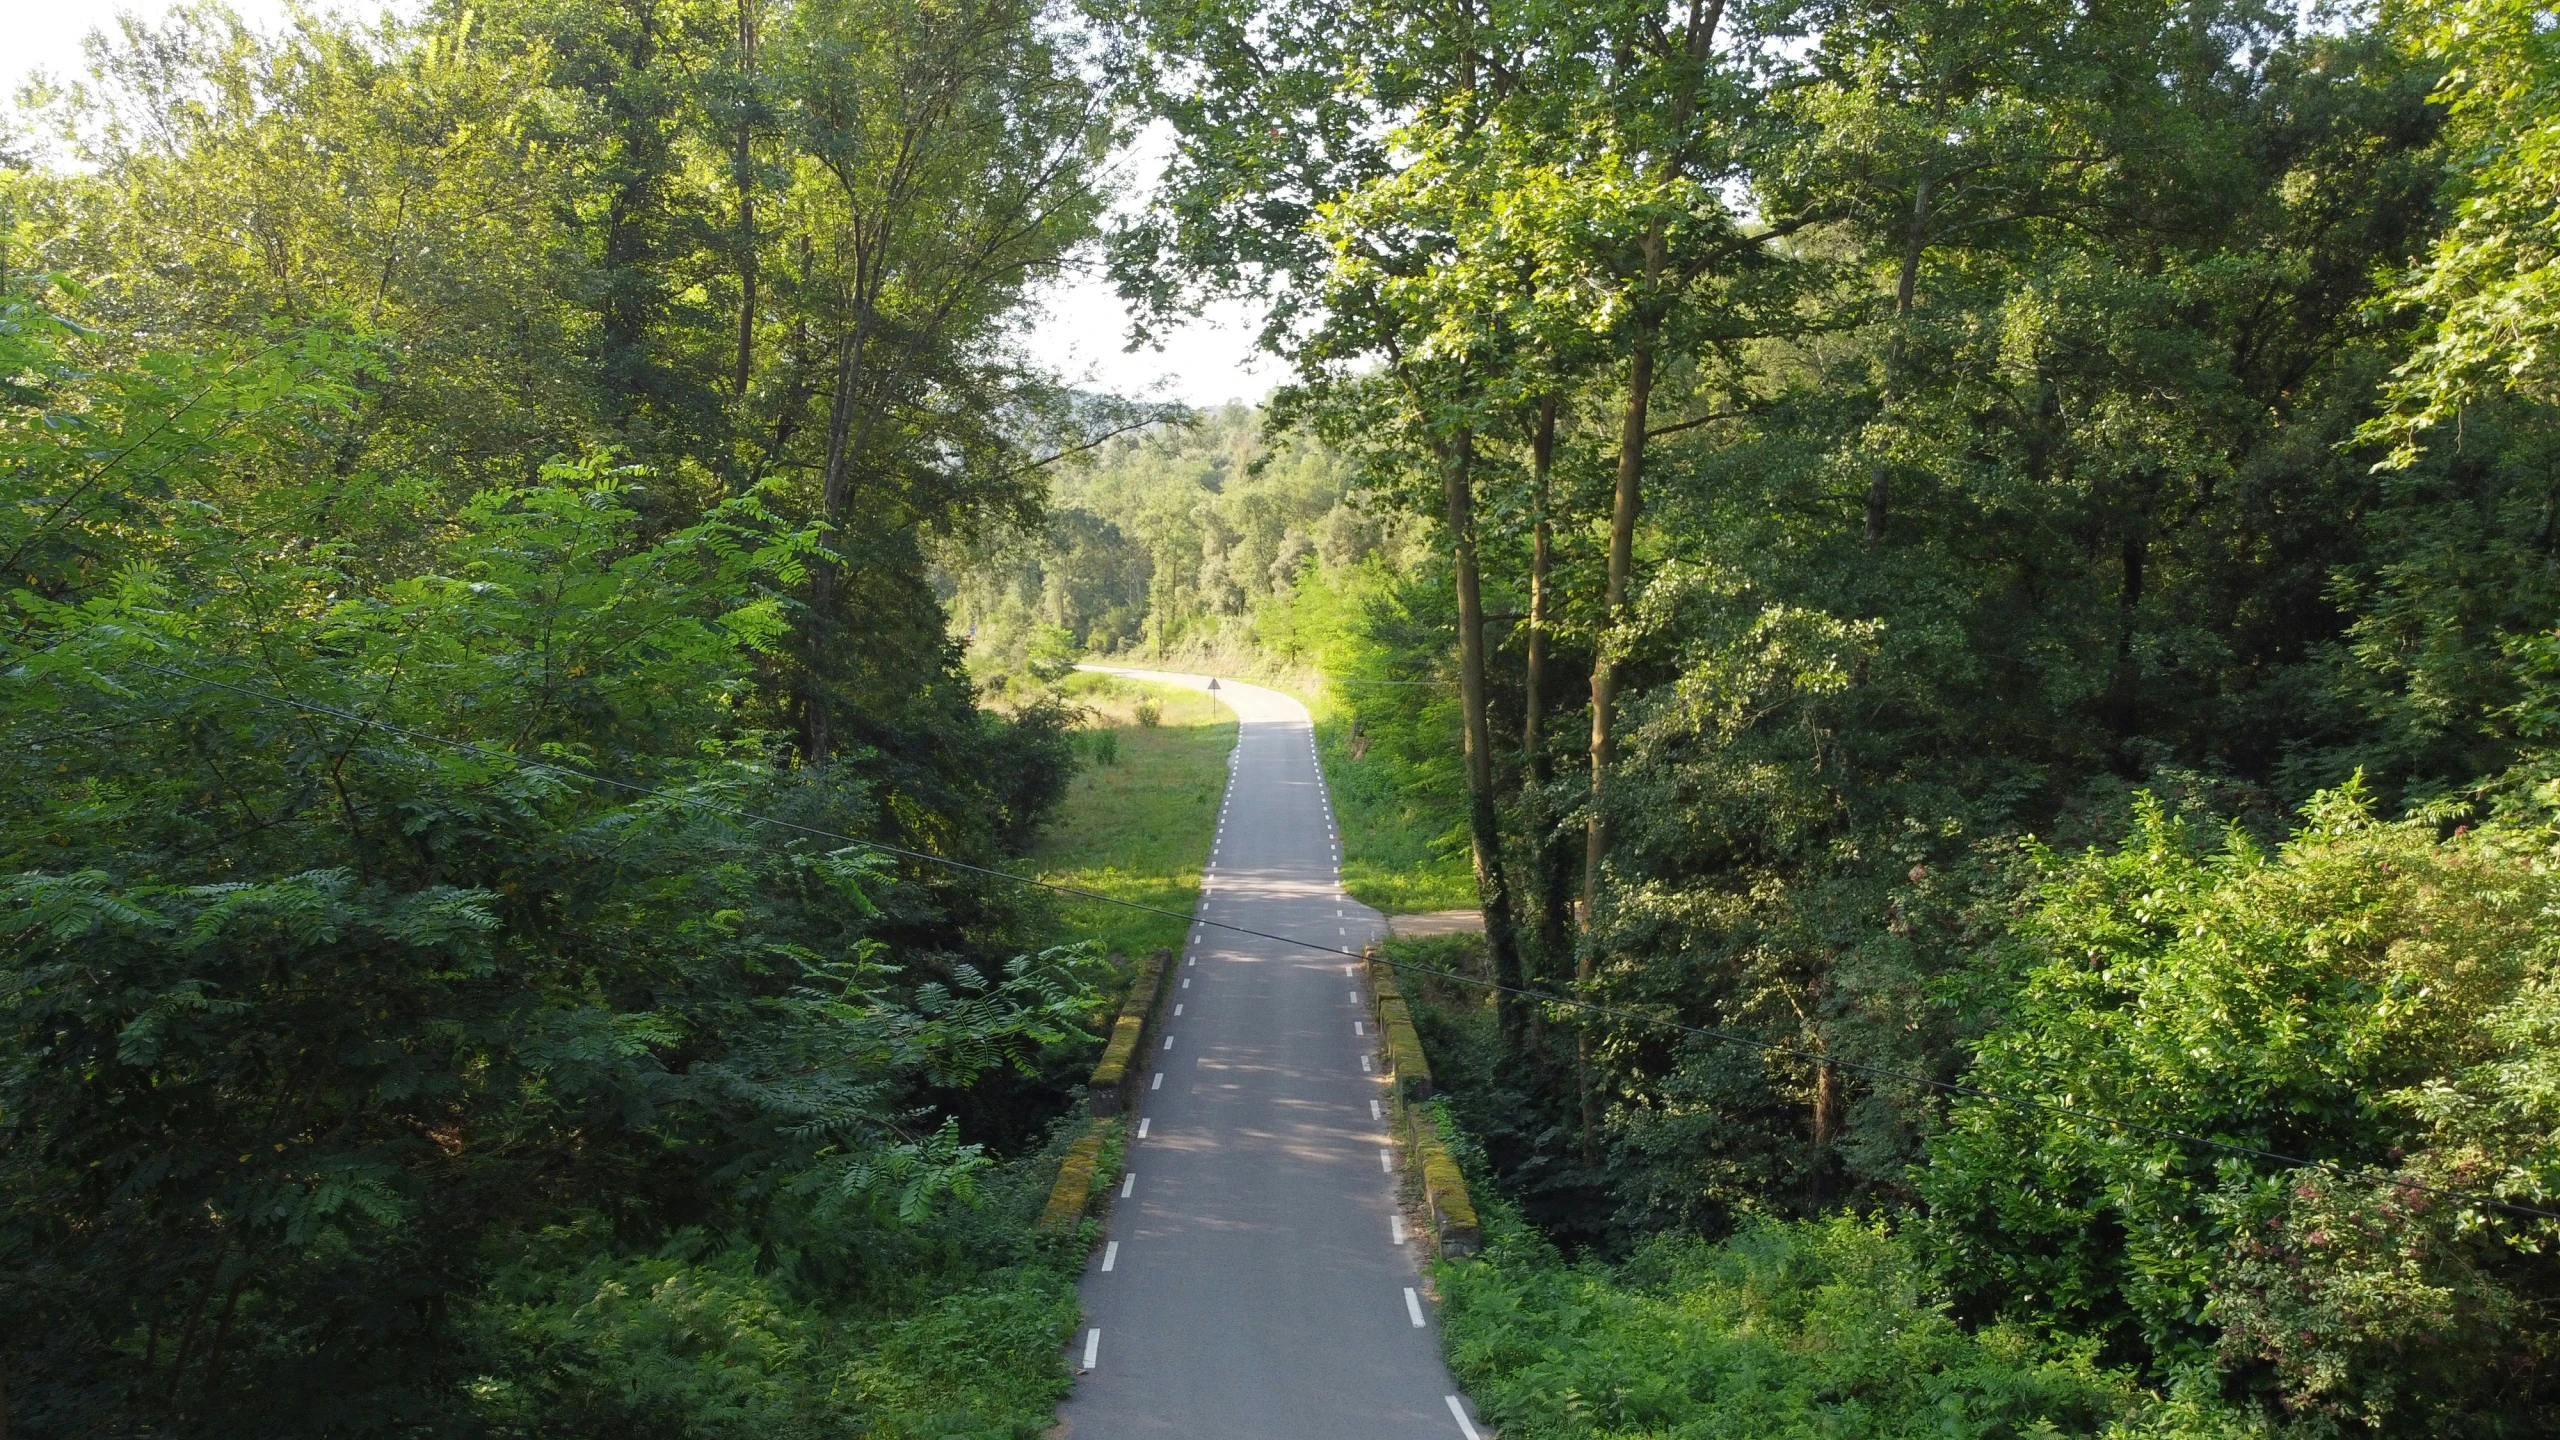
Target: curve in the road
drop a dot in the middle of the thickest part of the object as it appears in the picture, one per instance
(1258, 1281)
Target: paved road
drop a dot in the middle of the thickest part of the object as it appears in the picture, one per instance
(1257, 1283)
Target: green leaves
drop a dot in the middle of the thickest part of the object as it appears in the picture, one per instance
(2489, 291)
(2295, 1002)
(310, 986)
(1819, 1328)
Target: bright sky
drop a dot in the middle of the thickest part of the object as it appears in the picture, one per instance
(1082, 331)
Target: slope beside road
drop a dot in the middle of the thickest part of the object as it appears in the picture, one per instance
(1257, 1281)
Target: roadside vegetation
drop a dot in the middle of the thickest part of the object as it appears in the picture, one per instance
(1136, 822)
(2375, 991)
(1212, 550)
(1926, 565)
(1403, 847)
(478, 730)
(1891, 547)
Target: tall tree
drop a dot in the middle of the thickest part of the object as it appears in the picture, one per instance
(960, 148)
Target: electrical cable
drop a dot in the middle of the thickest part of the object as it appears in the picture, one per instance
(1726, 1037)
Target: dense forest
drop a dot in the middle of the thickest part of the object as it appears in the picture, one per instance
(1985, 576)
(470, 630)
(1974, 584)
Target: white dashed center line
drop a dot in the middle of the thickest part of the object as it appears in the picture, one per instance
(1158, 1083)
(1128, 1183)
(1111, 1256)
(1386, 1162)
(1374, 1113)
(1413, 1306)
(1092, 1345)
(1460, 1411)
(1142, 1127)
(1395, 1227)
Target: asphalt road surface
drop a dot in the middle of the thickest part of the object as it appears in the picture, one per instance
(1258, 1282)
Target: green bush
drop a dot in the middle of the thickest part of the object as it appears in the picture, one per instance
(1810, 1329)
(2377, 996)
(655, 1345)
(1149, 713)
(306, 1025)
(986, 1364)
(706, 1347)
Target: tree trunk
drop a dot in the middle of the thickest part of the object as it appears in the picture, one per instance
(1554, 864)
(1827, 1104)
(1533, 723)
(1913, 242)
(744, 164)
(195, 1321)
(835, 492)
(835, 488)
(817, 736)
(2127, 681)
(205, 1392)
(1493, 883)
(1624, 508)
(1698, 43)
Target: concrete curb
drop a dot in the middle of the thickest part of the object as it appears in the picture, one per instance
(1455, 1229)
(1110, 1091)
(1073, 1194)
(1114, 1082)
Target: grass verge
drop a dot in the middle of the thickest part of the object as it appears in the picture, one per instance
(1138, 818)
(1404, 844)
(1404, 852)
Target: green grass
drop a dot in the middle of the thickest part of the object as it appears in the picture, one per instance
(1404, 850)
(1138, 827)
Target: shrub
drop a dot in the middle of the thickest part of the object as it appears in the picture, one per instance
(2372, 995)
(1818, 1328)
